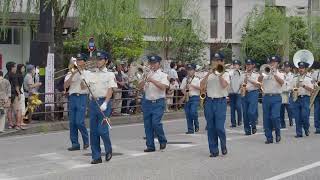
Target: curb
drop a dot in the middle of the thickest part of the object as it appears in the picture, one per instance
(46, 127)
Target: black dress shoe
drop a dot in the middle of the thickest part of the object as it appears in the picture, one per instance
(254, 130)
(85, 146)
(163, 146)
(108, 156)
(233, 126)
(247, 134)
(224, 151)
(73, 148)
(239, 123)
(298, 136)
(278, 139)
(149, 150)
(214, 154)
(189, 132)
(96, 161)
(307, 133)
(268, 142)
(290, 123)
(196, 129)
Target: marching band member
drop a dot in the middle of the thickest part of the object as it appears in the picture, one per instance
(154, 84)
(316, 80)
(77, 104)
(250, 100)
(286, 98)
(101, 82)
(191, 89)
(271, 103)
(301, 106)
(215, 107)
(236, 80)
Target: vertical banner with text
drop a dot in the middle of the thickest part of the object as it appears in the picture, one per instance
(49, 81)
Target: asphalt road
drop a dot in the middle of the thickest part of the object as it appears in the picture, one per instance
(44, 156)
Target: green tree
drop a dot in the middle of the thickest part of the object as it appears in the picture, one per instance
(115, 24)
(270, 32)
(299, 35)
(264, 34)
(179, 32)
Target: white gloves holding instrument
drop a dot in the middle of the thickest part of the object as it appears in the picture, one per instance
(104, 105)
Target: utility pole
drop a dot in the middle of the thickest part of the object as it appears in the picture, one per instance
(309, 18)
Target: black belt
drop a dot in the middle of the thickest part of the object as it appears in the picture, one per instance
(222, 98)
(302, 96)
(253, 90)
(77, 94)
(272, 94)
(154, 101)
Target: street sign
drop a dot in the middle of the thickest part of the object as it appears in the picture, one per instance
(91, 45)
(49, 80)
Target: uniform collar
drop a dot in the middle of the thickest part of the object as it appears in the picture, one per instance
(102, 70)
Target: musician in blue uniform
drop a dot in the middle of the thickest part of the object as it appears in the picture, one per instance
(316, 82)
(77, 104)
(286, 98)
(250, 99)
(216, 85)
(101, 82)
(191, 89)
(303, 82)
(236, 80)
(154, 83)
(272, 81)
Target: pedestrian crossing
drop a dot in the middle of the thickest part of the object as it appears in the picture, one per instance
(59, 161)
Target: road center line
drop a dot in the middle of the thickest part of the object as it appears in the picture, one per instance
(295, 171)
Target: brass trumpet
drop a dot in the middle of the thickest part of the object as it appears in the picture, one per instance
(219, 70)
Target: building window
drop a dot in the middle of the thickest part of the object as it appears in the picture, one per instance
(10, 36)
(228, 19)
(214, 19)
(6, 36)
(316, 5)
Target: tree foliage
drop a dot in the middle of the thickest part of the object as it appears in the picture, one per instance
(115, 24)
(271, 32)
(179, 32)
(264, 34)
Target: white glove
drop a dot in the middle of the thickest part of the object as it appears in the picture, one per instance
(103, 107)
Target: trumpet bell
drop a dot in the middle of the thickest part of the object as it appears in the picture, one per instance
(266, 69)
(303, 56)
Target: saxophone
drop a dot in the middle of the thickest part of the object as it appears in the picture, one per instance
(187, 95)
(295, 92)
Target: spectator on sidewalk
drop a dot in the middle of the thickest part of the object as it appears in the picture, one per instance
(15, 97)
(20, 75)
(117, 101)
(5, 94)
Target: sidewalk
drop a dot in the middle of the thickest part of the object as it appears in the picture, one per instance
(46, 127)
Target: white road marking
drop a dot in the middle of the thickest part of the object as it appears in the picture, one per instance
(6, 177)
(295, 171)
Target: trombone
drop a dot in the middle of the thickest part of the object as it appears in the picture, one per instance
(73, 68)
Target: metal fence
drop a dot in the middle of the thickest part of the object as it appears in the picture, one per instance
(59, 108)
